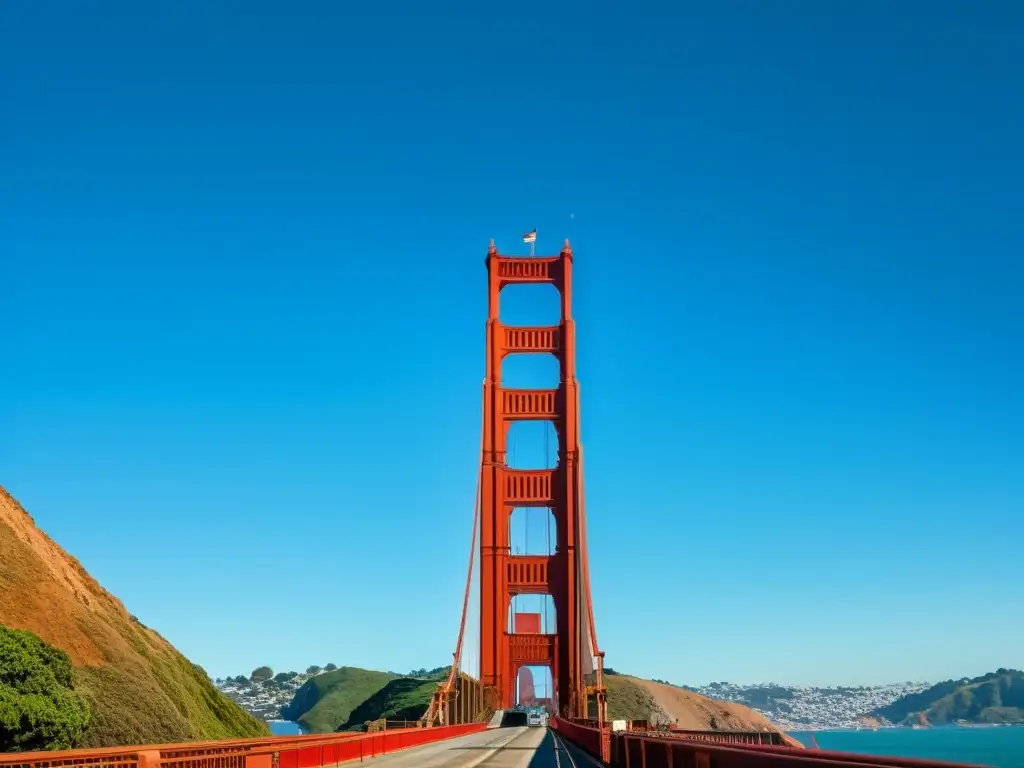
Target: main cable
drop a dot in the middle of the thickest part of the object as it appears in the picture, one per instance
(472, 556)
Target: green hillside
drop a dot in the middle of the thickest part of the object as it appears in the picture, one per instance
(326, 701)
(406, 698)
(129, 709)
(136, 687)
(57, 706)
(997, 697)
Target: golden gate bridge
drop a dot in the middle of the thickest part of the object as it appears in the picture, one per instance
(465, 724)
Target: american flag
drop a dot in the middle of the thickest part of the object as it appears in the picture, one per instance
(530, 237)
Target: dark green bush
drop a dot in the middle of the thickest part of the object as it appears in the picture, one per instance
(39, 708)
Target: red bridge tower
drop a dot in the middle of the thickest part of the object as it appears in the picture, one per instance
(571, 652)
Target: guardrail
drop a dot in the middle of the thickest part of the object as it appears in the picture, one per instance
(763, 738)
(593, 740)
(646, 728)
(630, 749)
(313, 751)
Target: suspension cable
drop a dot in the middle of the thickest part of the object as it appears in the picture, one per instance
(472, 556)
(583, 536)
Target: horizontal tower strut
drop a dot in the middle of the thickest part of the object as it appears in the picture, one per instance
(516, 339)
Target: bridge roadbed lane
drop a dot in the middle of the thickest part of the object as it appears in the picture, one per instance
(496, 748)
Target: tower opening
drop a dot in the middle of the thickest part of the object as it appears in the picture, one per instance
(531, 614)
(532, 531)
(530, 370)
(532, 444)
(535, 687)
(530, 304)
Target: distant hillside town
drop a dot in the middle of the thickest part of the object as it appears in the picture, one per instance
(265, 693)
(802, 708)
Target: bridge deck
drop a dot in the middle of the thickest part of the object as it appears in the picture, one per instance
(521, 747)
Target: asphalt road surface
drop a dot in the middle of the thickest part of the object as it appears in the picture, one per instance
(521, 747)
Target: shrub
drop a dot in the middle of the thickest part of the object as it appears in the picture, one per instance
(39, 708)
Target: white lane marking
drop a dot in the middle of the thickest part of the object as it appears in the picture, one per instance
(493, 750)
(586, 755)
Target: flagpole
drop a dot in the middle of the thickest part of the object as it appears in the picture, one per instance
(532, 240)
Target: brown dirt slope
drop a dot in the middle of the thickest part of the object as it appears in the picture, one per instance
(142, 691)
(636, 698)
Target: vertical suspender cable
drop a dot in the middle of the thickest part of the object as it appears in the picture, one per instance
(510, 620)
(547, 516)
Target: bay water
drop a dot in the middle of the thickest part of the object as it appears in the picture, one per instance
(285, 728)
(1001, 747)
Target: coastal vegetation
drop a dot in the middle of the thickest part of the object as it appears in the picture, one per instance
(996, 697)
(39, 706)
(137, 688)
(404, 698)
(326, 701)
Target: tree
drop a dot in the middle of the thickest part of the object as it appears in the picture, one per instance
(261, 673)
(330, 667)
(312, 669)
(39, 708)
(281, 677)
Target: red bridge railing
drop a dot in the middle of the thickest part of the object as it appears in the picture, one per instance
(762, 738)
(638, 749)
(315, 751)
(646, 728)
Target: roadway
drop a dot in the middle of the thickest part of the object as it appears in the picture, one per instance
(520, 747)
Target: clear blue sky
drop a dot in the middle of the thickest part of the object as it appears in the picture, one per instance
(243, 296)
